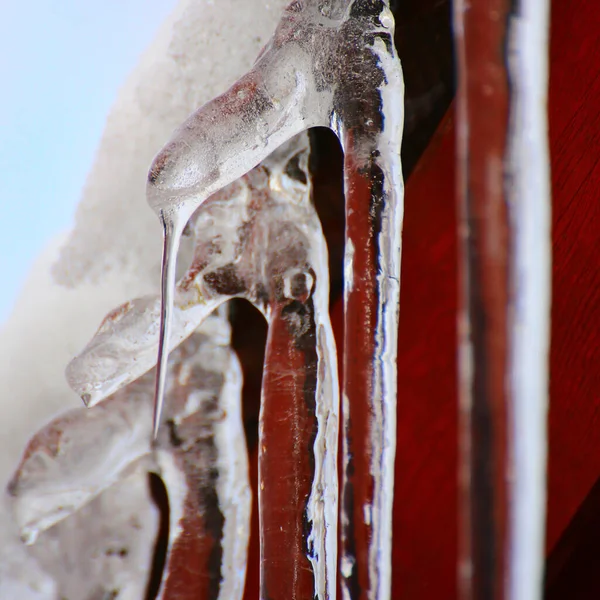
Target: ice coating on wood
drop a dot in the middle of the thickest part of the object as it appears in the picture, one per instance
(203, 461)
(259, 239)
(82, 464)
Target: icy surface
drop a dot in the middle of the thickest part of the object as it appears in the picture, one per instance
(328, 64)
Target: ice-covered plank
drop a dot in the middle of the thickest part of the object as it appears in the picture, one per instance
(504, 228)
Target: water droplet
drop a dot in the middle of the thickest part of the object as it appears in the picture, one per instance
(298, 285)
(346, 566)
(386, 18)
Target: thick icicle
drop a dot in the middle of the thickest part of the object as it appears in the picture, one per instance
(74, 470)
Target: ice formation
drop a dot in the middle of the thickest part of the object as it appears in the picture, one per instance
(77, 469)
(259, 239)
(236, 170)
(329, 63)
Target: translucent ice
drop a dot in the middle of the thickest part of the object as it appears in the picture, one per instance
(329, 63)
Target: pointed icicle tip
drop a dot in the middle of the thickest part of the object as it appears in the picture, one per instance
(155, 427)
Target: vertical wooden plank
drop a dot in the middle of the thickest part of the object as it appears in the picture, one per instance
(482, 123)
(288, 426)
(504, 297)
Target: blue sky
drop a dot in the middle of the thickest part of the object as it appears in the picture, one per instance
(61, 65)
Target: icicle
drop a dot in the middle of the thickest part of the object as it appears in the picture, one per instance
(173, 226)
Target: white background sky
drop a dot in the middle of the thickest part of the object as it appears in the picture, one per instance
(61, 65)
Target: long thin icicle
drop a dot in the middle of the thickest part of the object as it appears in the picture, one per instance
(173, 225)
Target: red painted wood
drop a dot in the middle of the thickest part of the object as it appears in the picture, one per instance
(285, 454)
(574, 111)
(425, 502)
(361, 322)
